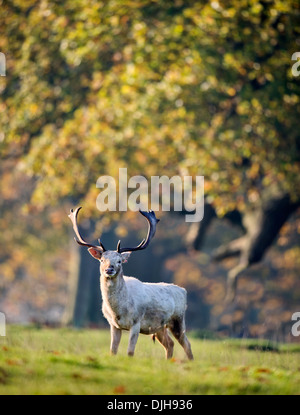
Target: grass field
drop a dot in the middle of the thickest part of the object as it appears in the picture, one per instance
(69, 361)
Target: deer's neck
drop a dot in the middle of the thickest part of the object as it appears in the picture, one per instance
(114, 292)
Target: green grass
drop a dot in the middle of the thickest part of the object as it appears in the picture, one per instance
(69, 361)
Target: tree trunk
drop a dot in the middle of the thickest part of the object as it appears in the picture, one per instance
(262, 226)
(84, 301)
(84, 291)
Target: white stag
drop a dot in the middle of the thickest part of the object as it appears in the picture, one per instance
(129, 304)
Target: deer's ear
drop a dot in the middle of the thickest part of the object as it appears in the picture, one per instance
(125, 256)
(95, 253)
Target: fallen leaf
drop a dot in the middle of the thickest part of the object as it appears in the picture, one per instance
(223, 369)
(76, 375)
(263, 370)
(14, 362)
(119, 389)
(91, 359)
(56, 352)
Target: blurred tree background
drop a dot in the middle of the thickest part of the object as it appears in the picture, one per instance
(162, 88)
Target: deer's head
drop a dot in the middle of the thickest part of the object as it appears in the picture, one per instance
(111, 261)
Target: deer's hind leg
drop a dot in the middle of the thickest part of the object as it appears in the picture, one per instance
(166, 341)
(177, 327)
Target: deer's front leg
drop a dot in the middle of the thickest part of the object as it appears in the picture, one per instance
(133, 336)
(115, 339)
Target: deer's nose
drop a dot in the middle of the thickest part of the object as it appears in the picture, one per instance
(109, 270)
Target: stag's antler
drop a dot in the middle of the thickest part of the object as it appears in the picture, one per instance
(73, 216)
(152, 221)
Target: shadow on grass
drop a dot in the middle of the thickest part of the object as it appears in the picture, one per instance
(260, 345)
(90, 363)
